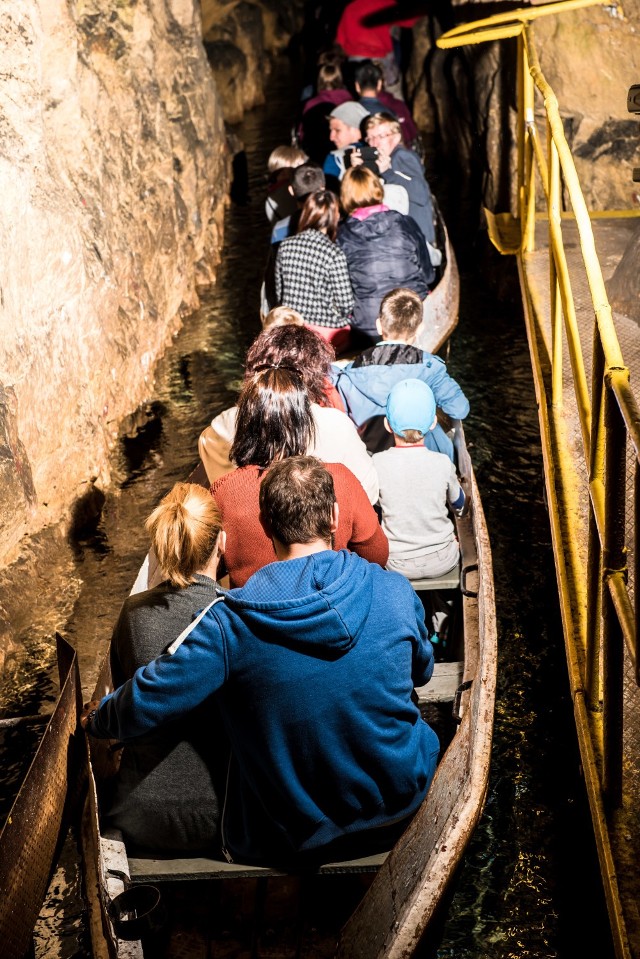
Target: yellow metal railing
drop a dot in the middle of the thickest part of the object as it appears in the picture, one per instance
(604, 618)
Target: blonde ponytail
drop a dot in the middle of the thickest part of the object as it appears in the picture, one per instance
(184, 530)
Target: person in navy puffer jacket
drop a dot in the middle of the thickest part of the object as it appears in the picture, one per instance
(384, 250)
(313, 663)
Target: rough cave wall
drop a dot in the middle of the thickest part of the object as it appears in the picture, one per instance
(114, 172)
(589, 57)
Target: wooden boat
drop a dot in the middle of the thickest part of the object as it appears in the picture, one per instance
(32, 830)
(443, 303)
(399, 908)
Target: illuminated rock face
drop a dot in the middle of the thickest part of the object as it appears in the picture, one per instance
(114, 173)
(589, 57)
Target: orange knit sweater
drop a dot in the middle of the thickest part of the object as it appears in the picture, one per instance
(248, 549)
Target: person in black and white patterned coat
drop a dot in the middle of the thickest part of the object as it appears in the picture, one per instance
(311, 274)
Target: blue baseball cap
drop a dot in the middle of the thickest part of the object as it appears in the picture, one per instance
(411, 406)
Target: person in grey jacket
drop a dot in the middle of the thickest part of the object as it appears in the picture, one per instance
(169, 782)
(401, 166)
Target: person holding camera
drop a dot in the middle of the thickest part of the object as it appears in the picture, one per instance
(402, 167)
(344, 132)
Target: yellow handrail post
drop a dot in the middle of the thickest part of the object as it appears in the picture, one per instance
(528, 92)
(615, 568)
(596, 509)
(556, 310)
(521, 204)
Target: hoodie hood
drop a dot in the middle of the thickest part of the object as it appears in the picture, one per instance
(373, 385)
(332, 597)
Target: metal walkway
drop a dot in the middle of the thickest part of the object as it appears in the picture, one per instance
(572, 502)
(586, 368)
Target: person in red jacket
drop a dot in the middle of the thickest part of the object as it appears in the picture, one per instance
(274, 422)
(364, 31)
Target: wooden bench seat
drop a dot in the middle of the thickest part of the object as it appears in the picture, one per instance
(450, 580)
(164, 870)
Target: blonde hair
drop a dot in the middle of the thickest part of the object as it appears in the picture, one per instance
(285, 157)
(282, 316)
(400, 314)
(184, 530)
(360, 187)
(377, 119)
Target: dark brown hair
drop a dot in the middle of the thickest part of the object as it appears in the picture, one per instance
(295, 346)
(321, 211)
(296, 499)
(330, 77)
(274, 419)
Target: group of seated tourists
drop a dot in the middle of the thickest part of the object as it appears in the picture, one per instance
(274, 721)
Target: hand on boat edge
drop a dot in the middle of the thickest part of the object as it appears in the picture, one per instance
(87, 710)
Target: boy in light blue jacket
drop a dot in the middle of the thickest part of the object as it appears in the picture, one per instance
(365, 384)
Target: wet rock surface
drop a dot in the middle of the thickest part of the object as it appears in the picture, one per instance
(115, 168)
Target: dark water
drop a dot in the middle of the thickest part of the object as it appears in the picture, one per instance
(529, 886)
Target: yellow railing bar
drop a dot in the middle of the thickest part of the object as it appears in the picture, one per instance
(507, 24)
(609, 417)
(604, 319)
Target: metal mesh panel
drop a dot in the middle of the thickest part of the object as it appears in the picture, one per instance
(30, 834)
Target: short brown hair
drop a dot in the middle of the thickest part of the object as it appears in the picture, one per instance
(184, 530)
(296, 500)
(285, 157)
(321, 211)
(400, 313)
(360, 187)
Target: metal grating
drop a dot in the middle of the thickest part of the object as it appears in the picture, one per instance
(30, 835)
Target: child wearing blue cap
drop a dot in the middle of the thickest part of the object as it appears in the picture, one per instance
(416, 484)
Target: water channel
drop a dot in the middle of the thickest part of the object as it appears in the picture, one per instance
(529, 885)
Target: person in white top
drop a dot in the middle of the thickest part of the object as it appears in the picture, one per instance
(337, 441)
(416, 487)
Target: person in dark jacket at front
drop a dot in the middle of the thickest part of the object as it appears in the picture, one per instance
(314, 663)
(384, 249)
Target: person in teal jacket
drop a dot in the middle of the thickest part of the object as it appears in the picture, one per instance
(313, 664)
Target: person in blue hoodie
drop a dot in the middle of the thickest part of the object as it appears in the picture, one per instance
(313, 663)
(365, 384)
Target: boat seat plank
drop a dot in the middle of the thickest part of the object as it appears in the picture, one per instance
(158, 870)
(450, 580)
(442, 686)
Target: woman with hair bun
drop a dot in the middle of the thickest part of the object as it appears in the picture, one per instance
(311, 274)
(336, 437)
(169, 783)
(274, 421)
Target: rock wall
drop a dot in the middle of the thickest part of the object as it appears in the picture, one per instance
(590, 57)
(114, 173)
